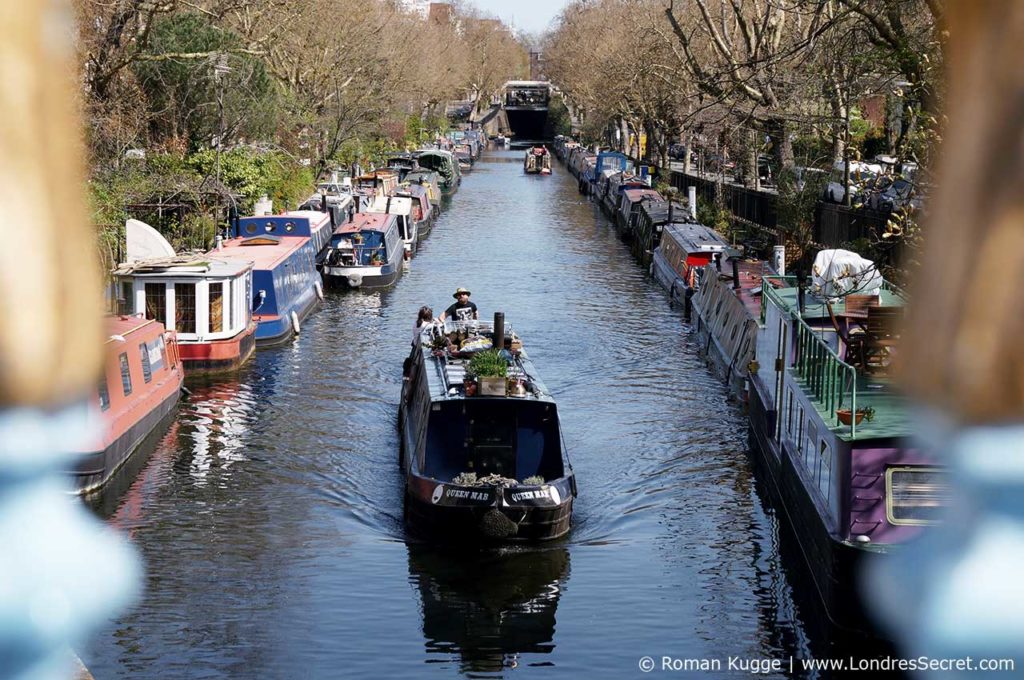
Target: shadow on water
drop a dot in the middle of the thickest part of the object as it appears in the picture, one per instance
(488, 611)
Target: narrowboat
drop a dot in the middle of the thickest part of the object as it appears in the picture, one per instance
(428, 179)
(137, 393)
(684, 250)
(595, 168)
(537, 161)
(402, 208)
(627, 213)
(403, 164)
(365, 253)
(465, 156)
(611, 189)
(445, 165)
(204, 299)
(654, 215)
(286, 286)
(832, 437)
(483, 458)
(423, 214)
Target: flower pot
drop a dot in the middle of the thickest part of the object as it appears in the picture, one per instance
(492, 386)
(846, 416)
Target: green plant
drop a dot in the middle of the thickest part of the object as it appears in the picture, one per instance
(488, 364)
(868, 412)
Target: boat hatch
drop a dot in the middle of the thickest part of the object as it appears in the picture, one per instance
(509, 438)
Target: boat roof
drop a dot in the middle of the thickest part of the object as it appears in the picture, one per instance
(657, 210)
(198, 265)
(695, 238)
(634, 195)
(395, 205)
(367, 222)
(123, 326)
(444, 372)
(264, 252)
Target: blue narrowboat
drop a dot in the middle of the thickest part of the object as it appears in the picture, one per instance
(365, 253)
(285, 283)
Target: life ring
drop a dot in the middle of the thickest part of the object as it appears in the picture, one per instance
(295, 322)
(319, 290)
(355, 280)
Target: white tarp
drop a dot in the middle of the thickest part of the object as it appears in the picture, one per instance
(840, 272)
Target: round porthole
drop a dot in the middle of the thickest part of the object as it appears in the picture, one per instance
(269, 227)
(250, 228)
(289, 226)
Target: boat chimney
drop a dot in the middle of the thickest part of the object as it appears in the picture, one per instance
(499, 331)
(218, 242)
(735, 273)
(718, 262)
(691, 197)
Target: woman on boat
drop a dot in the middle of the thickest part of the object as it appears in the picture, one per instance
(423, 319)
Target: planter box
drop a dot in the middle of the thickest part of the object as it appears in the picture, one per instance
(492, 387)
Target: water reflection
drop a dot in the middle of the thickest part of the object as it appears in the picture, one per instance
(489, 611)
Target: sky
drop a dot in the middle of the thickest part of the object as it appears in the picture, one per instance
(526, 15)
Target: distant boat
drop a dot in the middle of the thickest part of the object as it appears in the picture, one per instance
(445, 165)
(483, 458)
(537, 161)
(139, 389)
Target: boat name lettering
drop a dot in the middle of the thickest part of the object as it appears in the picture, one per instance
(471, 495)
(528, 495)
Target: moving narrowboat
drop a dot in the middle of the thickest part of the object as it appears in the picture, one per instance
(483, 458)
(204, 299)
(537, 161)
(365, 253)
(286, 286)
(833, 438)
(137, 393)
(465, 156)
(684, 250)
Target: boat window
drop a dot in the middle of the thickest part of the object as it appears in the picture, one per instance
(126, 375)
(217, 307)
(825, 471)
(915, 495)
(147, 371)
(269, 227)
(156, 302)
(289, 226)
(126, 304)
(104, 394)
(229, 303)
(185, 307)
(809, 447)
(789, 412)
(250, 228)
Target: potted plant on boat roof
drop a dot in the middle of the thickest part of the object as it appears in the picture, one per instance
(489, 368)
(846, 416)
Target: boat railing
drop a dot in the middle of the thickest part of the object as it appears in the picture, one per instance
(830, 381)
(770, 286)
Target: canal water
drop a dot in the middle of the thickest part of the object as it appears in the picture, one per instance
(269, 515)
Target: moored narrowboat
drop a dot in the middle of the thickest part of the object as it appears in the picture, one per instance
(138, 391)
(832, 437)
(445, 165)
(483, 458)
(684, 250)
(204, 299)
(423, 213)
(428, 179)
(364, 253)
(286, 286)
(402, 208)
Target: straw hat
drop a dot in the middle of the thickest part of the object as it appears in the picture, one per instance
(459, 292)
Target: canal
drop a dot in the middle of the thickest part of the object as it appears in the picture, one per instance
(269, 514)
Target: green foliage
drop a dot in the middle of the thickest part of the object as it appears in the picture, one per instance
(183, 93)
(710, 215)
(252, 173)
(488, 364)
